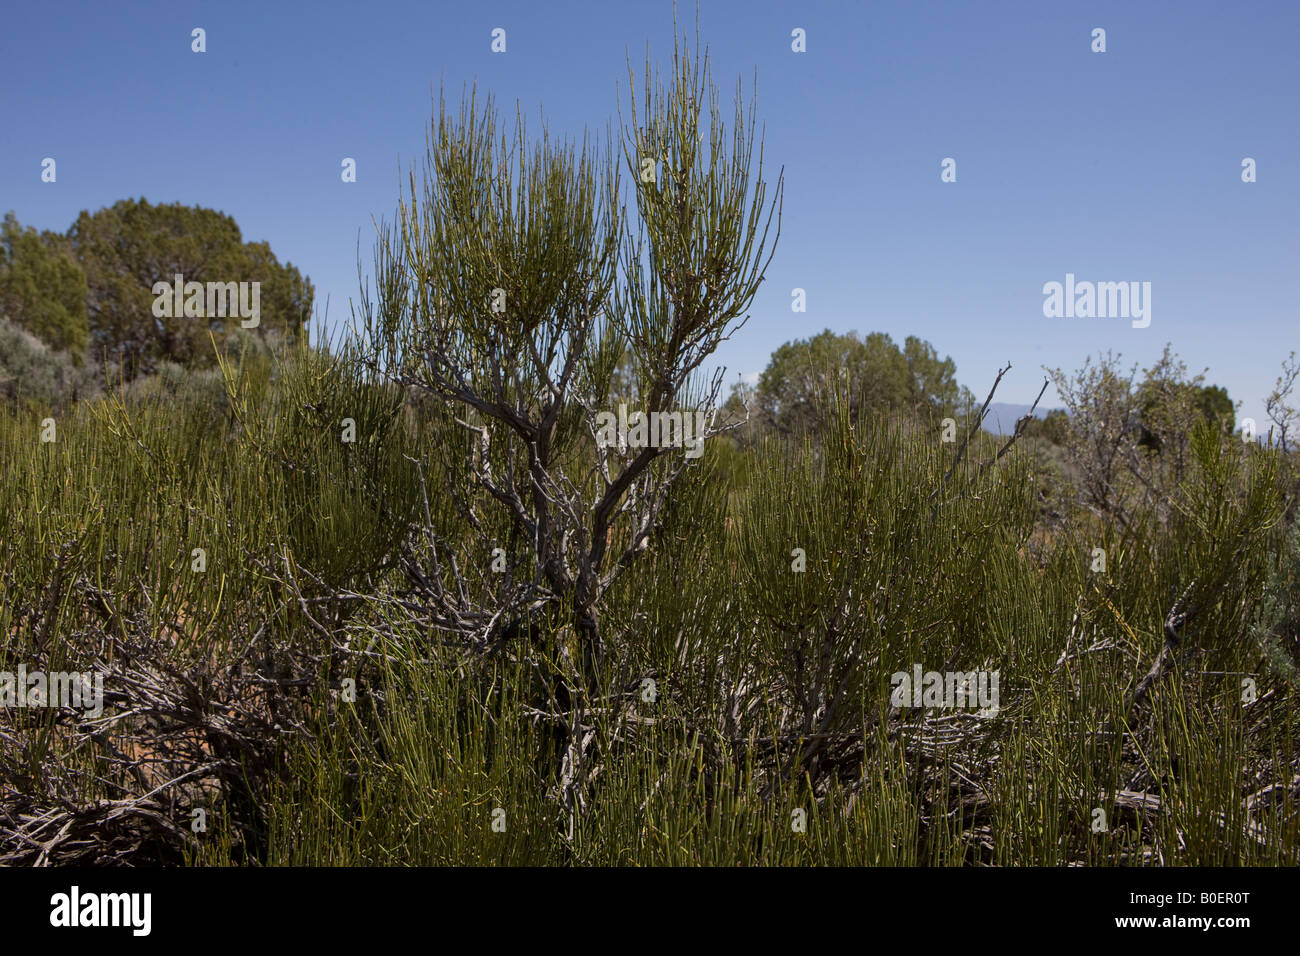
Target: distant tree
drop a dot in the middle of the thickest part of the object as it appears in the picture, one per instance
(1171, 402)
(42, 288)
(873, 372)
(932, 381)
(1215, 405)
(1054, 427)
(128, 247)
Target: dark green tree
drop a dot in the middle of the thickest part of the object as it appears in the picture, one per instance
(932, 380)
(1054, 427)
(1216, 406)
(127, 248)
(871, 372)
(874, 374)
(42, 288)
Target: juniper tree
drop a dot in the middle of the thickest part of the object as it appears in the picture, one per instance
(42, 289)
(512, 284)
(873, 372)
(126, 248)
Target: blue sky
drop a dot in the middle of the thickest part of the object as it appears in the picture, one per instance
(1115, 166)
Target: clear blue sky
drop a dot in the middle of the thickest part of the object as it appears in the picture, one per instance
(1115, 166)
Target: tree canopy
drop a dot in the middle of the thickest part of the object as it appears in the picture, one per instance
(92, 290)
(42, 288)
(126, 248)
(874, 373)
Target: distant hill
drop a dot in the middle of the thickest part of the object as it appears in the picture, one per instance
(1002, 416)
